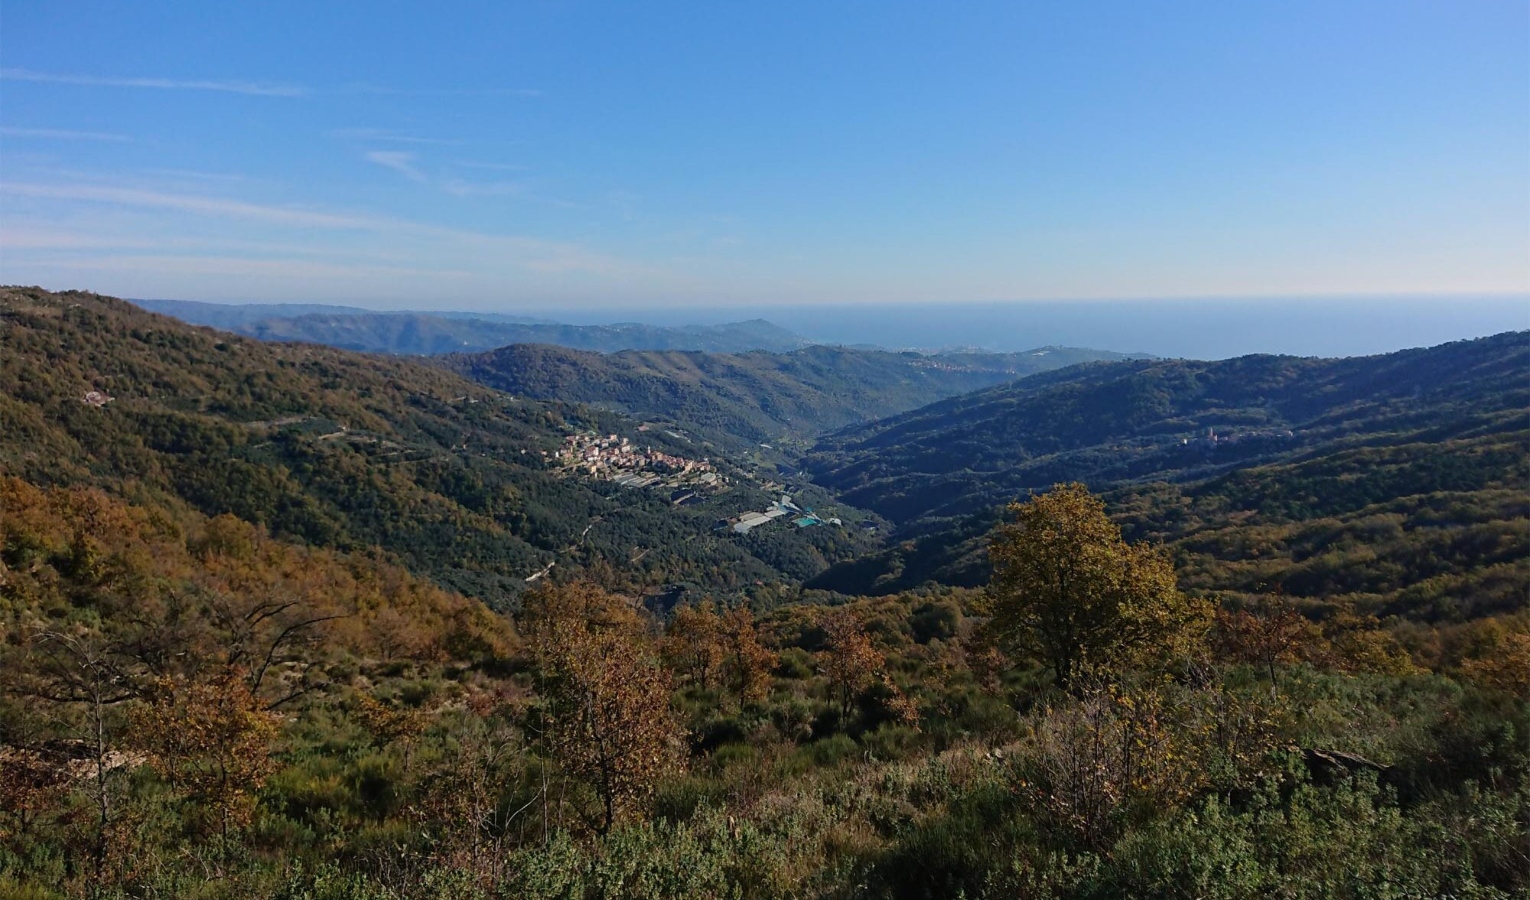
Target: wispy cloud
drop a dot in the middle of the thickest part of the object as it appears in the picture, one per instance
(379, 134)
(250, 88)
(496, 167)
(214, 206)
(60, 134)
(364, 88)
(458, 187)
(246, 266)
(405, 164)
(527, 253)
(399, 161)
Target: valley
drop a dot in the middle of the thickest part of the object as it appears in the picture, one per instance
(759, 451)
(687, 604)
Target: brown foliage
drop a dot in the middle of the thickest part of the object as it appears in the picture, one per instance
(211, 740)
(30, 786)
(1267, 635)
(1505, 667)
(222, 589)
(608, 721)
(388, 724)
(746, 663)
(693, 644)
(1357, 643)
(462, 793)
(849, 660)
(1098, 758)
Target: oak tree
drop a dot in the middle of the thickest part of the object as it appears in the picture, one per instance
(607, 700)
(210, 738)
(849, 659)
(693, 644)
(747, 662)
(1068, 588)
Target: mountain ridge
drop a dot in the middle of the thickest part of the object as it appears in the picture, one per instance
(1394, 483)
(755, 397)
(416, 333)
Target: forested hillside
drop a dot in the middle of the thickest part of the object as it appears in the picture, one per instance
(425, 334)
(1394, 482)
(757, 397)
(340, 450)
(243, 653)
(1173, 419)
(190, 708)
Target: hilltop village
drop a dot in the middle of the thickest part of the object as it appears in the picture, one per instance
(617, 459)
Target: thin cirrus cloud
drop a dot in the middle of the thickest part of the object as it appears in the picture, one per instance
(214, 206)
(404, 163)
(242, 266)
(62, 134)
(385, 136)
(458, 187)
(533, 254)
(248, 88)
(494, 167)
(397, 161)
(364, 88)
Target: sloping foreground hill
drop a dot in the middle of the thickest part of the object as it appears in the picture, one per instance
(1401, 488)
(340, 450)
(756, 397)
(78, 558)
(423, 334)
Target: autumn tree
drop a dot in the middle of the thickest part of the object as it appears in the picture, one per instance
(210, 739)
(1503, 660)
(1089, 760)
(746, 662)
(31, 786)
(1266, 635)
(1352, 641)
(693, 644)
(608, 720)
(390, 724)
(1067, 587)
(849, 659)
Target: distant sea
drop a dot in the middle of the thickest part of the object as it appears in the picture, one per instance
(1199, 328)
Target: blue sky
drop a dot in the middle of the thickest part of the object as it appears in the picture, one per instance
(525, 155)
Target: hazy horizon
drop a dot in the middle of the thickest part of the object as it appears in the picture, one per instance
(604, 155)
(1200, 328)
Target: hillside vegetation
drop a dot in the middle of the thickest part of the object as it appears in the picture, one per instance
(340, 450)
(757, 397)
(190, 708)
(1394, 482)
(243, 653)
